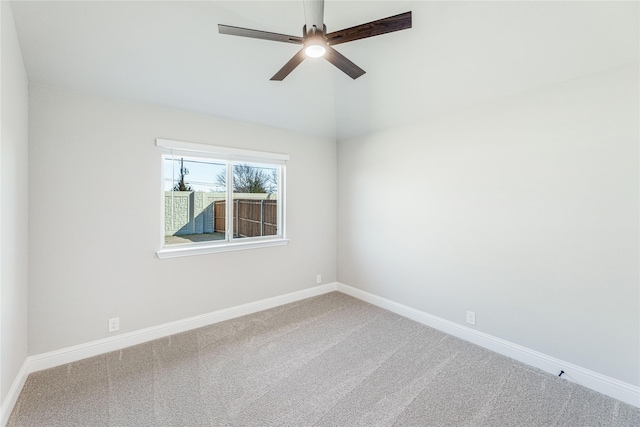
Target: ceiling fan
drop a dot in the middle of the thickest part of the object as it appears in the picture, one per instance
(318, 43)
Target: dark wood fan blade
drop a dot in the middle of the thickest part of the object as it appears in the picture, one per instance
(289, 66)
(257, 34)
(370, 29)
(341, 61)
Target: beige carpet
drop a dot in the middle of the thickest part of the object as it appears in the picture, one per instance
(327, 361)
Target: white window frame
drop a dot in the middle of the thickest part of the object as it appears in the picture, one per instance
(229, 156)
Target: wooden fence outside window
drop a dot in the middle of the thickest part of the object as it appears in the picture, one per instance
(250, 217)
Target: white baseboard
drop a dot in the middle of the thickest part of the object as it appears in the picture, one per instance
(94, 348)
(12, 396)
(606, 385)
(609, 386)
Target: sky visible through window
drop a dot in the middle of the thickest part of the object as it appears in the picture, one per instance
(201, 174)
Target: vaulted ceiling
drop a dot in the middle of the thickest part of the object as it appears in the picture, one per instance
(457, 54)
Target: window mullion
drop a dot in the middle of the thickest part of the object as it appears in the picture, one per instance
(229, 203)
(281, 203)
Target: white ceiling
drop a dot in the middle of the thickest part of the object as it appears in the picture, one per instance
(457, 54)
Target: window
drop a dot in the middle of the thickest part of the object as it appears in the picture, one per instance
(220, 199)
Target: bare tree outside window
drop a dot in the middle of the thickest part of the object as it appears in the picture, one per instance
(251, 179)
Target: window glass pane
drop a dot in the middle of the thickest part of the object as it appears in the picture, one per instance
(255, 200)
(194, 200)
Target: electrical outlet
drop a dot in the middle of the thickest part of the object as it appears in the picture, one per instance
(114, 324)
(471, 317)
(319, 279)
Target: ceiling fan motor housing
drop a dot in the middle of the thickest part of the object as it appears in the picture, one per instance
(315, 42)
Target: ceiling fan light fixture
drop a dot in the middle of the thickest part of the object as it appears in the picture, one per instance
(314, 47)
(315, 51)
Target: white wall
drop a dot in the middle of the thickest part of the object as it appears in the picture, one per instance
(14, 205)
(90, 262)
(524, 210)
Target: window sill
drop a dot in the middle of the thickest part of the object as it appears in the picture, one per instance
(188, 250)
